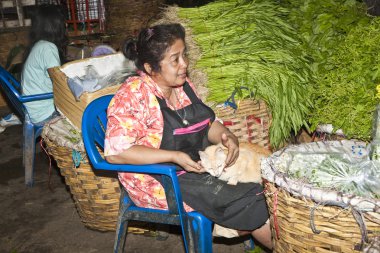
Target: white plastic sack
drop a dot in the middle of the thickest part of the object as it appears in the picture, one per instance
(282, 167)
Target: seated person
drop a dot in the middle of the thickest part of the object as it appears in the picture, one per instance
(48, 41)
(157, 117)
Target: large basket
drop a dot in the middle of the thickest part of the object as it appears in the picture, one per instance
(65, 101)
(95, 193)
(250, 121)
(96, 196)
(305, 218)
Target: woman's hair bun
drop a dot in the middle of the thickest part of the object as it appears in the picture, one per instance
(130, 49)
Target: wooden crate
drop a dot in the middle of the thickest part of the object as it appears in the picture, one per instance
(65, 101)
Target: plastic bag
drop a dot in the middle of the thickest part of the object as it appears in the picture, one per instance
(91, 81)
(91, 73)
(114, 78)
(347, 170)
(118, 75)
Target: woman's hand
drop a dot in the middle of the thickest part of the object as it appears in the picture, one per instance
(220, 134)
(184, 160)
(232, 144)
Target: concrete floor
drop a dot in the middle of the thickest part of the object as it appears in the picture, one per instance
(40, 219)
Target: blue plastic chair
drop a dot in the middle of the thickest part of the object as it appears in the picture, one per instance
(12, 91)
(196, 229)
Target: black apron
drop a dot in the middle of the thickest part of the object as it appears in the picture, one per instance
(187, 138)
(240, 206)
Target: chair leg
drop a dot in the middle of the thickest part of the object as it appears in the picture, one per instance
(121, 234)
(29, 147)
(122, 224)
(201, 234)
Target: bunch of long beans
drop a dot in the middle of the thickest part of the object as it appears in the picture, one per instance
(249, 43)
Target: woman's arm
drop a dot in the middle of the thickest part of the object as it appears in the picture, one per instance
(127, 141)
(220, 134)
(139, 154)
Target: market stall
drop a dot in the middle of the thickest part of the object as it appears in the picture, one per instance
(269, 70)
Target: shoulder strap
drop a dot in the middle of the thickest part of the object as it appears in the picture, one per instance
(190, 93)
(161, 102)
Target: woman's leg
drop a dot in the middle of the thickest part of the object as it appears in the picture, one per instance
(263, 235)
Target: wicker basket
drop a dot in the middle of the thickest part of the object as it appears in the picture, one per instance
(249, 122)
(305, 218)
(95, 193)
(65, 101)
(96, 196)
(291, 219)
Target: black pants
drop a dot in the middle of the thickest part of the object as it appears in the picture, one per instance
(240, 206)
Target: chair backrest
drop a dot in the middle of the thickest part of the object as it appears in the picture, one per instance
(12, 89)
(94, 125)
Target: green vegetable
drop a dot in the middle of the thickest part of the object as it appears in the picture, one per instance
(337, 171)
(344, 45)
(250, 43)
(346, 96)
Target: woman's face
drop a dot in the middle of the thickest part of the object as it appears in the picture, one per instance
(173, 66)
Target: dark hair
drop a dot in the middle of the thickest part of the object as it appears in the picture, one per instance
(151, 45)
(48, 24)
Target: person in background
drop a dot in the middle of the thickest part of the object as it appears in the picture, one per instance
(48, 41)
(157, 117)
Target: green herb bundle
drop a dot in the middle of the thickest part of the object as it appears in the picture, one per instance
(323, 24)
(346, 96)
(250, 43)
(344, 44)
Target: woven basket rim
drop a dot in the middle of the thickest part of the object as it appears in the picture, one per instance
(319, 195)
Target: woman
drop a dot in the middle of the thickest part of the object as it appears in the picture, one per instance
(47, 48)
(156, 117)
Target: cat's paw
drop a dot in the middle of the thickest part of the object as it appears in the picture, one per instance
(232, 181)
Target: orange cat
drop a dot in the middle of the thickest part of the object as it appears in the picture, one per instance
(246, 169)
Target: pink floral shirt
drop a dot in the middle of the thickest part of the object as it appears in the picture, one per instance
(135, 118)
